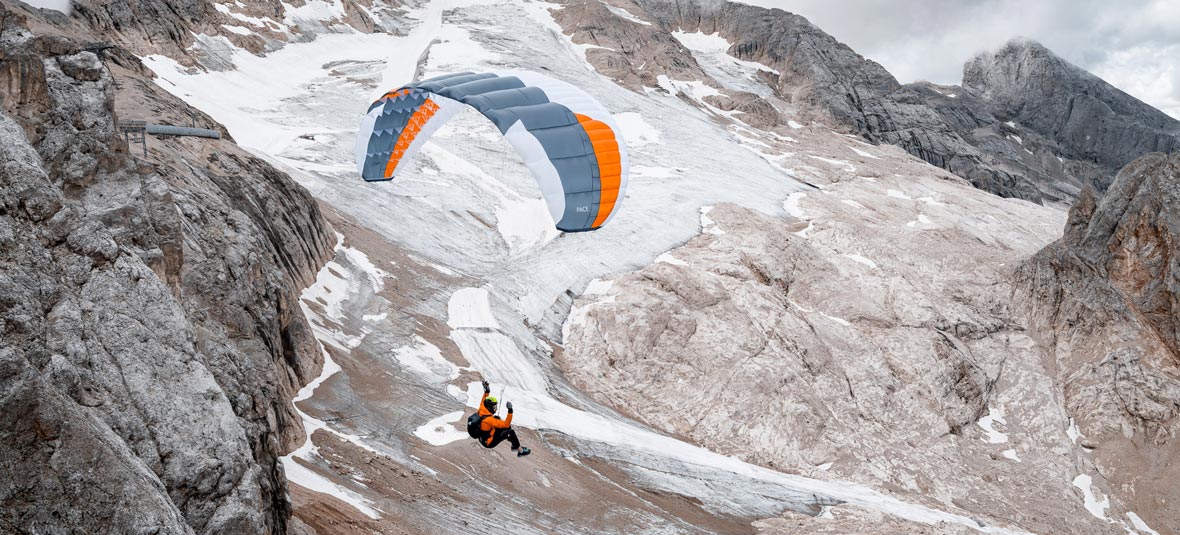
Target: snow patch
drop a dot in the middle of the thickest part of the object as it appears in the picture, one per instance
(425, 360)
(443, 269)
(794, 125)
(897, 194)
(1095, 506)
(469, 308)
(693, 88)
(598, 287)
(525, 224)
(499, 359)
(440, 431)
(707, 224)
(240, 30)
(862, 260)
(667, 258)
(577, 315)
(636, 131)
(522, 222)
(623, 13)
(994, 415)
(375, 317)
(791, 205)
(1010, 454)
(711, 51)
(841, 321)
(361, 260)
(864, 154)
(836, 163)
(304, 477)
(1072, 432)
(456, 50)
(1140, 524)
(457, 393)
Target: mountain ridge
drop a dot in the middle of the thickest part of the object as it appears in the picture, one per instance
(969, 137)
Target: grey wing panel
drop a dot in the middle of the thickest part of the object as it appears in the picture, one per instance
(506, 100)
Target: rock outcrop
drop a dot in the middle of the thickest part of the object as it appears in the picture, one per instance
(1104, 299)
(150, 338)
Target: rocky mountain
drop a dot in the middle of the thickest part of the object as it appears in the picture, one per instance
(152, 339)
(1025, 123)
(1103, 300)
(1089, 119)
(793, 326)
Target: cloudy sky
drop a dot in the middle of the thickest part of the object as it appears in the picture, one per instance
(1133, 44)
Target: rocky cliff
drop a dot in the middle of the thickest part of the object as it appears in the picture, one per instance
(1025, 124)
(1104, 300)
(151, 338)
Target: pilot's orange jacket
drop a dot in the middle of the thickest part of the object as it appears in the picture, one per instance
(491, 423)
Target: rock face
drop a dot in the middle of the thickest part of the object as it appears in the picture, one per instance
(1105, 300)
(1086, 117)
(1025, 124)
(875, 341)
(150, 339)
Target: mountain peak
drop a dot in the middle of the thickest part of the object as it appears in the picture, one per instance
(1019, 58)
(1029, 84)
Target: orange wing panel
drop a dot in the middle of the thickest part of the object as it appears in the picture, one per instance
(415, 124)
(606, 151)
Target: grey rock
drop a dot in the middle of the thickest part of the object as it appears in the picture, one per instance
(83, 66)
(150, 340)
(1088, 118)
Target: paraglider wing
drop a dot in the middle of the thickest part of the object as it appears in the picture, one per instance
(570, 143)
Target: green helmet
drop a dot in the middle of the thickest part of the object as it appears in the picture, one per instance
(490, 402)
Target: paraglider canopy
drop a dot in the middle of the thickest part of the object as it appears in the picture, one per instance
(570, 143)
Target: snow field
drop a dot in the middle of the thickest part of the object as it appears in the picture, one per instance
(511, 371)
(331, 289)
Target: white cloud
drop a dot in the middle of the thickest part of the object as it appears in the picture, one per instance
(56, 5)
(1132, 44)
